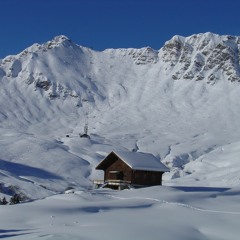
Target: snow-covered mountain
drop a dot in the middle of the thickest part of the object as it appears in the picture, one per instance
(180, 103)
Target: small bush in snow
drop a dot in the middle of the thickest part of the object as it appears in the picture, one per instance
(3, 201)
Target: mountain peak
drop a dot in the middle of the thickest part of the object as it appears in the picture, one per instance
(61, 38)
(203, 56)
(57, 41)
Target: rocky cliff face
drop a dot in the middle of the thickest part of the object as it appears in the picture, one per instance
(202, 56)
(142, 56)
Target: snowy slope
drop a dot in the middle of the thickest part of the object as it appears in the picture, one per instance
(180, 103)
(153, 213)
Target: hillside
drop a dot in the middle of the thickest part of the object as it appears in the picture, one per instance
(180, 103)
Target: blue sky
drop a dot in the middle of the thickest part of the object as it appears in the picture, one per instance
(102, 24)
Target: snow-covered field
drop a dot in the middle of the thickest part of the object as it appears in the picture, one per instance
(151, 213)
(180, 103)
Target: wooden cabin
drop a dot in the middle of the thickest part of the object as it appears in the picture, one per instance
(124, 169)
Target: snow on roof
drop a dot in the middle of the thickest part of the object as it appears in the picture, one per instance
(142, 161)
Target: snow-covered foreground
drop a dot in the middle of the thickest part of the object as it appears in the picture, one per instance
(151, 213)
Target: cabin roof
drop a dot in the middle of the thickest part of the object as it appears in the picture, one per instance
(138, 161)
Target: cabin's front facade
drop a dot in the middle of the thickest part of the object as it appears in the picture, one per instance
(123, 169)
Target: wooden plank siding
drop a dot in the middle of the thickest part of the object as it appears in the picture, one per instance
(124, 171)
(147, 178)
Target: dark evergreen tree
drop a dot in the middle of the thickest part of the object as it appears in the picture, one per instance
(15, 199)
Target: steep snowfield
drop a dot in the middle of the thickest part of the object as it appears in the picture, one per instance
(180, 103)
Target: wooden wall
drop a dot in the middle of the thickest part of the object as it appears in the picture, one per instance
(147, 178)
(118, 165)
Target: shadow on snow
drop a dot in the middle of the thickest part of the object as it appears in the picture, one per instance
(19, 169)
(201, 189)
(12, 233)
